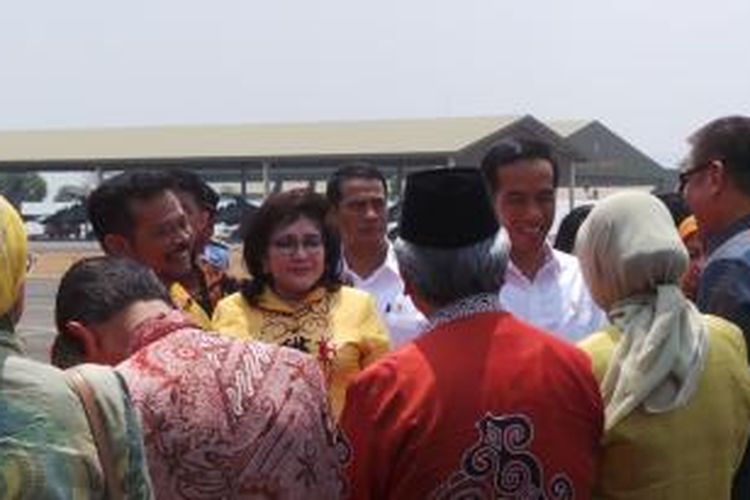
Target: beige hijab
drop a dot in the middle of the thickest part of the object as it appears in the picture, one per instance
(632, 258)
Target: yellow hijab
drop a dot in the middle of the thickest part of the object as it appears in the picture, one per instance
(12, 256)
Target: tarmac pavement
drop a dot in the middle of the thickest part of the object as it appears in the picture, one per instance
(37, 326)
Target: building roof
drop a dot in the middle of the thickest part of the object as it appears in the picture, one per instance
(566, 128)
(609, 156)
(255, 141)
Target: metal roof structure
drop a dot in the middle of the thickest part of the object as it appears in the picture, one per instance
(310, 151)
(566, 128)
(254, 142)
(610, 158)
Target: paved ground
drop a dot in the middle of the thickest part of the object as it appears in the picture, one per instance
(37, 326)
(52, 258)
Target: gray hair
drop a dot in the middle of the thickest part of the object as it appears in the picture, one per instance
(443, 276)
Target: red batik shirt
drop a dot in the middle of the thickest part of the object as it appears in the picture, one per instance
(481, 406)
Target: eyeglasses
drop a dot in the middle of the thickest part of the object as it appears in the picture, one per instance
(684, 177)
(288, 245)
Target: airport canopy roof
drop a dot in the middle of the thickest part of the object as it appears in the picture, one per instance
(253, 141)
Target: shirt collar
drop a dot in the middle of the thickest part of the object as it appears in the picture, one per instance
(389, 264)
(737, 226)
(270, 301)
(551, 262)
(462, 308)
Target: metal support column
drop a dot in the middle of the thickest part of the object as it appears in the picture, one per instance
(243, 181)
(98, 176)
(266, 166)
(572, 187)
(399, 184)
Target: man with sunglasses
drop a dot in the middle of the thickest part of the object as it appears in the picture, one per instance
(716, 184)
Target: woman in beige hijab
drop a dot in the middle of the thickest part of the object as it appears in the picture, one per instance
(675, 383)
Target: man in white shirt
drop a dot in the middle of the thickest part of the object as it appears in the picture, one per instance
(358, 193)
(542, 285)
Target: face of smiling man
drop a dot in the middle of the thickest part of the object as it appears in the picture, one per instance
(525, 203)
(161, 238)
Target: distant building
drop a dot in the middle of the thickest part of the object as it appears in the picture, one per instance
(268, 155)
(610, 159)
(34, 213)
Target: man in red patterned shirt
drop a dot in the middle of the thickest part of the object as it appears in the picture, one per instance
(482, 405)
(221, 418)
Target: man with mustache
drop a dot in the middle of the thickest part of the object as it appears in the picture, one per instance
(138, 215)
(358, 194)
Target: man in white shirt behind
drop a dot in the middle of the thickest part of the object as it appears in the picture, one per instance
(542, 285)
(358, 193)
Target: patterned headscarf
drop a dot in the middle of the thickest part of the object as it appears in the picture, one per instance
(632, 259)
(12, 256)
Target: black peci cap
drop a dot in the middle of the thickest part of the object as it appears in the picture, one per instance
(447, 208)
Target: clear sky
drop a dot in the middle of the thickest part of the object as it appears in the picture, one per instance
(653, 70)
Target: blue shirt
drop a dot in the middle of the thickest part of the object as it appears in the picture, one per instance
(724, 288)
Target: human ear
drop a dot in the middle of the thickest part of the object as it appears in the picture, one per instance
(717, 176)
(87, 338)
(118, 245)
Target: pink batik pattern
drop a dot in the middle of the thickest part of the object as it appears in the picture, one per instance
(229, 418)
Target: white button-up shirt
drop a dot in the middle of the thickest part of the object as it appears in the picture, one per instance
(400, 315)
(558, 299)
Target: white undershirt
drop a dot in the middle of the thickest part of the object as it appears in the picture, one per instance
(400, 315)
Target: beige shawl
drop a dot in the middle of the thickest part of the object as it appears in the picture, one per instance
(632, 258)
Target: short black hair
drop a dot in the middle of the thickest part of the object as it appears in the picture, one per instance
(565, 239)
(509, 151)
(280, 210)
(92, 291)
(348, 171)
(190, 182)
(726, 139)
(109, 205)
